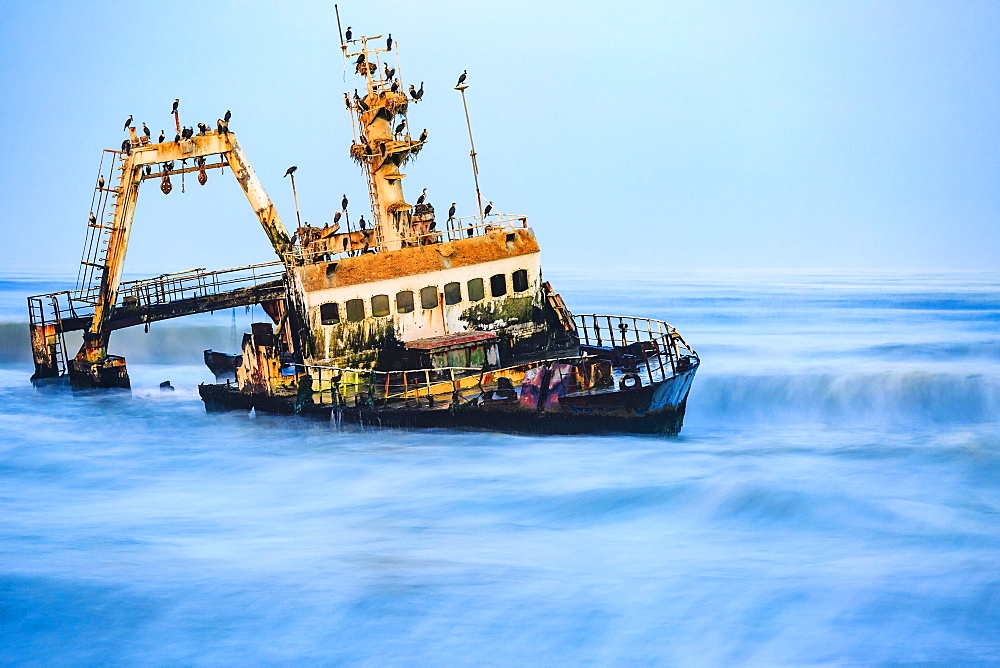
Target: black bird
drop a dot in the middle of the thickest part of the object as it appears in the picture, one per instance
(401, 127)
(389, 73)
(173, 110)
(368, 149)
(336, 217)
(423, 136)
(225, 127)
(147, 170)
(364, 105)
(469, 232)
(177, 137)
(228, 115)
(361, 223)
(451, 211)
(423, 196)
(349, 33)
(126, 147)
(128, 122)
(163, 135)
(462, 77)
(203, 128)
(347, 101)
(92, 219)
(291, 170)
(343, 204)
(395, 85)
(489, 207)
(100, 182)
(388, 43)
(145, 130)
(420, 93)
(360, 59)
(413, 92)
(218, 126)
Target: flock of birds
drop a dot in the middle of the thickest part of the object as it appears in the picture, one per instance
(361, 65)
(222, 127)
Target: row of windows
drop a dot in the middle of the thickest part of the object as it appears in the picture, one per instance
(475, 290)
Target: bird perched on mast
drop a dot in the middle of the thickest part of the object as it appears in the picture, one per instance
(389, 73)
(343, 202)
(128, 122)
(395, 85)
(462, 77)
(145, 130)
(290, 170)
(163, 135)
(349, 34)
(100, 182)
(227, 116)
(423, 196)
(177, 101)
(489, 207)
(420, 93)
(388, 43)
(423, 136)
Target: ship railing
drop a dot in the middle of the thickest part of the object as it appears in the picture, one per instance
(413, 388)
(156, 291)
(645, 343)
(455, 229)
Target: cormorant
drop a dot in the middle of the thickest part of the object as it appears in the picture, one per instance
(173, 110)
(389, 73)
(395, 85)
(361, 223)
(177, 137)
(218, 126)
(489, 207)
(291, 170)
(360, 59)
(364, 105)
(347, 101)
(423, 136)
(336, 217)
(93, 218)
(343, 202)
(228, 115)
(462, 77)
(163, 135)
(401, 127)
(125, 146)
(413, 92)
(128, 122)
(420, 93)
(388, 43)
(349, 34)
(423, 196)
(145, 130)
(451, 211)
(100, 182)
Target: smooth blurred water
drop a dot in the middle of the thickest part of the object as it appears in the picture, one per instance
(834, 499)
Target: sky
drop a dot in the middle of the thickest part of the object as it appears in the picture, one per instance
(760, 135)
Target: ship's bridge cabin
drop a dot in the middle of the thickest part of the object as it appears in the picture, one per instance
(366, 308)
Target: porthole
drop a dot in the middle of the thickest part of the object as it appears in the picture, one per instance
(380, 306)
(429, 297)
(498, 285)
(476, 292)
(404, 302)
(452, 293)
(520, 280)
(329, 314)
(355, 310)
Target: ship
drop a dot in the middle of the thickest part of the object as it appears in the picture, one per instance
(409, 319)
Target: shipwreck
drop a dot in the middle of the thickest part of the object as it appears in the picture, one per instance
(405, 320)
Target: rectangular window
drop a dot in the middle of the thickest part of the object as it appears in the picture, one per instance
(452, 293)
(404, 302)
(498, 285)
(380, 306)
(355, 310)
(520, 279)
(476, 292)
(329, 313)
(429, 297)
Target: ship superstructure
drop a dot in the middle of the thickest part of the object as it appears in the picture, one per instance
(411, 318)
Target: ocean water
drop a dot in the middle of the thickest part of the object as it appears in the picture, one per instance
(834, 499)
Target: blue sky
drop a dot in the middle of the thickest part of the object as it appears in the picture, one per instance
(836, 135)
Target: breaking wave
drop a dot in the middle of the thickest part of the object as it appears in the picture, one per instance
(851, 398)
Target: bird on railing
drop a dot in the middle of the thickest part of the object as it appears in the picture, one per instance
(395, 85)
(489, 207)
(100, 181)
(348, 34)
(451, 212)
(389, 73)
(420, 92)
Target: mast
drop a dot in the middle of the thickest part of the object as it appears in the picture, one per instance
(381, 152)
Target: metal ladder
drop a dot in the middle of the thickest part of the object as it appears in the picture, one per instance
(93, 263)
